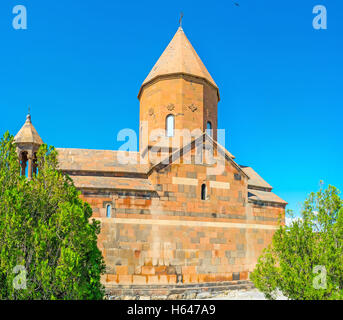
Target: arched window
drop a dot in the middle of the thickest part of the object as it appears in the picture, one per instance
(108, 211)
(170, 123)
(209, 128)
(23, 163)
(203, 192)
(34, 166)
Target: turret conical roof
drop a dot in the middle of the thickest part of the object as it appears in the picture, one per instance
(28, 134)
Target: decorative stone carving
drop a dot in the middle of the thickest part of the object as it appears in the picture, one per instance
(170, 107)
(151, 112)
(193, 108)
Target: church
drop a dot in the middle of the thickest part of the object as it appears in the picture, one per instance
(180, 215)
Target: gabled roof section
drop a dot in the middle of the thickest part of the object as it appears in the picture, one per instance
(99, 161)
(179, 58)
(204, 138)
(265, 196)
(227, 152)
(28, 134)
(255, 179)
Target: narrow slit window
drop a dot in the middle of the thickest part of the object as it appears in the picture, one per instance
(238, 176)
(108, 211)
(170, 123)
(209, 128)
(203, 192)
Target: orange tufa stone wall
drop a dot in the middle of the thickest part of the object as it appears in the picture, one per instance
(161, 232)
(173, 237)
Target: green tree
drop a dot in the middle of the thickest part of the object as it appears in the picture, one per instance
(45, 229)
(305, 259)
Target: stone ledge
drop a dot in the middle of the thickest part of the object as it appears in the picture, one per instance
(174, 292)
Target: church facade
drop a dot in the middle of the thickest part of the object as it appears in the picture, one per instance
(180, 213)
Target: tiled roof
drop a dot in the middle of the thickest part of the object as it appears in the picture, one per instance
(255, 179)
(179, 57)
(112, 183)
(28, 134)
(98, 160)
(264, 196)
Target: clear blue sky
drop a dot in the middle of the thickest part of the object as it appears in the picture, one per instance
(80, 64)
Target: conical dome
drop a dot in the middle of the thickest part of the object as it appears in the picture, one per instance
(179, 58)
(28, 134)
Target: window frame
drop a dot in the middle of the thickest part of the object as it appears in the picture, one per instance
(170, 116)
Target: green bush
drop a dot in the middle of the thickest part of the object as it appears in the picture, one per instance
(45, 229)
(305, 259)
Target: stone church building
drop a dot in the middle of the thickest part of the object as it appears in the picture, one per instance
(172, 222)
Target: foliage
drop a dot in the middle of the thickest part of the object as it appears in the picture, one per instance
(45, 227)
(301, 254)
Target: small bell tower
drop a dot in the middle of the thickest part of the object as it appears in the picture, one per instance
(28, 142)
